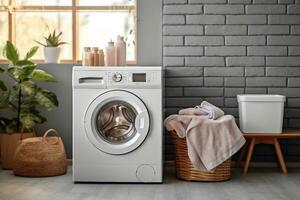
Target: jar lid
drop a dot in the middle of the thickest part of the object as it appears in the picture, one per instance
(95, 49)
(111, 43)
(87, 49)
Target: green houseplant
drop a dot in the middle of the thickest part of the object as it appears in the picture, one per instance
(51, 47)
(22, 100)
(2, 85)
(2, 89)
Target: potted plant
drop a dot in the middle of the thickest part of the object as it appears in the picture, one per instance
(51, 47)
(3, 88)
(22, 100)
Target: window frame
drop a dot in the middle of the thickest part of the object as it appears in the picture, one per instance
(75, 8)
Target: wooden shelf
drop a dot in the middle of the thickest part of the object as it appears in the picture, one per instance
(266, 138)
(284, 134)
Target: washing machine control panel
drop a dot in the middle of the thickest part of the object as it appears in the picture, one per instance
(133, 79)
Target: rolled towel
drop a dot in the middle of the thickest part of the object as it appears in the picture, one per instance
(212, 111)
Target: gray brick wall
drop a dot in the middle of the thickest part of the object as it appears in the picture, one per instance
(216, 49)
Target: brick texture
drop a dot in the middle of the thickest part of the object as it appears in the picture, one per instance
(216, 49)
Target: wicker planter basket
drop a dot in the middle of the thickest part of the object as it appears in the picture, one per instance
(185, 169)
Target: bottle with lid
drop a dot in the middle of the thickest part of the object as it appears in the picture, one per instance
(121, 51)
(101, 58)
(110, 54)
(96, 55)
(86, 56)
(91, 58)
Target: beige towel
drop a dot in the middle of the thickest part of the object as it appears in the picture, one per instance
(210, 142)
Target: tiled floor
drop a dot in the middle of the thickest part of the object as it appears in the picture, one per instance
(259, 184)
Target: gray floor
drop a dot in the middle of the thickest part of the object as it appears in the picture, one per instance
(259, 184)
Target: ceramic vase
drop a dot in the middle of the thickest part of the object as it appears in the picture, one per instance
(52, 54)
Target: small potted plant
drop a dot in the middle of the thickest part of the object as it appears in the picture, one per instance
(51, 47)
(20, 103)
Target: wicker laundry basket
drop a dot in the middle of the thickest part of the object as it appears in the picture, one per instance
(41, 156)
(185, 169)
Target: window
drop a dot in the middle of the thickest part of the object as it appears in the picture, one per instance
(83, 23)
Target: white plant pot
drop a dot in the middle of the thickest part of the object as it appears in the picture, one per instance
(51, 54)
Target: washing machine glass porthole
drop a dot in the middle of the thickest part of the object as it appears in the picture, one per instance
(115, 122)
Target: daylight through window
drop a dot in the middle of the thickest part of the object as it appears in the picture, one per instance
(83, 23)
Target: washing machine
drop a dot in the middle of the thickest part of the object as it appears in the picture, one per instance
(117, 124)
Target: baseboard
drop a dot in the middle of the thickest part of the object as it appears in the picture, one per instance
(233, 164)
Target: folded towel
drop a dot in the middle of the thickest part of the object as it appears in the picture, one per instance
(213, 111)
(205, 108)
(209, 142)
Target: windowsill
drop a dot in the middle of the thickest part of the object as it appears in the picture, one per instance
(65, 62)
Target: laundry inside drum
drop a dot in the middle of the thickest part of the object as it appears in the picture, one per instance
(115, 122)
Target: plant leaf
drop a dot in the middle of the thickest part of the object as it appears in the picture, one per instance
(28, 87)
(40, 43)
(2, 86)
(14, 72)
(3, 123)
(13, 96)
(27, 70)
(31, 52)
(20, 74)
(41, 75)
(28, 120)
(11, 126)
(4, 97)
(11, 53)
(14, 93)
(61, 43)
(46, 99)
(24, 62)
(53, 98)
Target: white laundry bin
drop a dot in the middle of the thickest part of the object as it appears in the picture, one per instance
(261, 113)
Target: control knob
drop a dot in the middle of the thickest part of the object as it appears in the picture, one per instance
(117, 77)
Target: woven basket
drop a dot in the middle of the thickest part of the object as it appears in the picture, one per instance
(185, 169)
(41, 156)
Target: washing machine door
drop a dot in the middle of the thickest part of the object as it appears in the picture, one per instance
(117, 122)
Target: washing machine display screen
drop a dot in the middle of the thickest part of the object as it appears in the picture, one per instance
(139, 77)
(115, 122)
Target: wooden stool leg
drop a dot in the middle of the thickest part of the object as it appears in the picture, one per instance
(249, 155)
(239, 161)
(279, 156)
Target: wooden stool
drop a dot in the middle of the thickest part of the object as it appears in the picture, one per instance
(266, 138)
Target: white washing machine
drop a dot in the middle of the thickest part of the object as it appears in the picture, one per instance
(117, 124)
